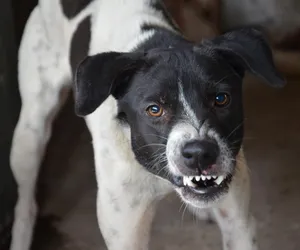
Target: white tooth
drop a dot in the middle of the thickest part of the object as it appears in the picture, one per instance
(190, 183)
(215, 177)
(193, 185)
(203, 177)
(184, 181)
(197, 178)
(208, 177)
(219, 180)
(191, 177)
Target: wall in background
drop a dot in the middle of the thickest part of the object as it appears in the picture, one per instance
(9, 110)
(280, 17)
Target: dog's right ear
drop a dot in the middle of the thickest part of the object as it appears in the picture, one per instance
(102, 75)
(247, 49)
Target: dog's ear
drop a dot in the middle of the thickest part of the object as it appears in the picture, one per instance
(102, 75)
(247, 49)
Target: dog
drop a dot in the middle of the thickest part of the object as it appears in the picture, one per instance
(165, 114)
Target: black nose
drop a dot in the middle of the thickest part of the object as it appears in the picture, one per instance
(200, 154)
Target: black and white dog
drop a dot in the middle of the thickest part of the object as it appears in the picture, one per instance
(164, 113)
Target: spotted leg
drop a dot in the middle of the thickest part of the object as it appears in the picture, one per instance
(127, 194)
(42, 77)
(236, 223)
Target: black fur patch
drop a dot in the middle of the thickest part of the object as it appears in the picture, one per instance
(80, 43)
(160, 7)
(72, 7)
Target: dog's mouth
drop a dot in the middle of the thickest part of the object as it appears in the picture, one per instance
(203, 186)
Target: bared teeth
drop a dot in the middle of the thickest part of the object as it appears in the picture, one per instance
(190, 180)
(219, 180)
(187, 181)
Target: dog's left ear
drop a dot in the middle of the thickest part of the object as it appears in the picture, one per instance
(102, 75)
(247, 49)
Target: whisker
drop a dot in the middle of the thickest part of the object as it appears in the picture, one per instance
(182, 204)
(195, 217)
(236, 160)
(182, 217)
(236, 128)
(158, 153)
(221, 80)
(163, 168)
(158, 162)
(152, 144)
(159, 136)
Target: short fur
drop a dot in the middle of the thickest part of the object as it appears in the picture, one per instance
(138, 58)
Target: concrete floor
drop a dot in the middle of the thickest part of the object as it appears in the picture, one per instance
(67, 185)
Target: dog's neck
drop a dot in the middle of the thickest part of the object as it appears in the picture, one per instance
(123, 25)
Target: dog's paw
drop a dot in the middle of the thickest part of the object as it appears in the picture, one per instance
(25, 216)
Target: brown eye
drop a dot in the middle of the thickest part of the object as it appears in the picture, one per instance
(155, 110)
(221, 99)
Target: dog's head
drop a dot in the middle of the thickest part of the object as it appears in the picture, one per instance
(183, 106)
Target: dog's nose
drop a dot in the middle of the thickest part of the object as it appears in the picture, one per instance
(200, 154)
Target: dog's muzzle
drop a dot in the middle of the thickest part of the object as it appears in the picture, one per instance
(200, 169)
(201, 173)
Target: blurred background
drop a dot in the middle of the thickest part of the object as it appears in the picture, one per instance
(66, 190)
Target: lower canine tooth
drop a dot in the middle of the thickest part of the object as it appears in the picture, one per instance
(190, 183)
(219, 180)
(187, 181)
(184, 181)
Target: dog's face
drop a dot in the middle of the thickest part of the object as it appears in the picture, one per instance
(183, 106)
(186, 119)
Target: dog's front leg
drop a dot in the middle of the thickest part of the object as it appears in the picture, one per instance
(233, 216)
(127, 193)
(125, 207)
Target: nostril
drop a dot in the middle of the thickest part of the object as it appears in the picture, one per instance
(186, 154)
(190, 150)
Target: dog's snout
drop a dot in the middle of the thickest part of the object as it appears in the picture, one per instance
(200, 154)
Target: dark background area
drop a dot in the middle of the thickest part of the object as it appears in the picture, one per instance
(21, 10)
(13, 15)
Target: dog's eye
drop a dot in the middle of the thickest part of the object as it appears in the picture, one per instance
(155, 110)
(221, 99)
